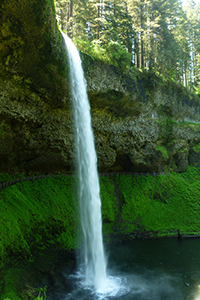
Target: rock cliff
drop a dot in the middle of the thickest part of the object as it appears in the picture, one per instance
(140, 122)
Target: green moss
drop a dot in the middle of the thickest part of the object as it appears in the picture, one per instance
(33, 216)
(115, 103)
(196, 148)
(5, 177)
(44, 207)
(31, 46)
(163, 150)
(12, 279)
(163, 203)
(109, 203)
(36, 214)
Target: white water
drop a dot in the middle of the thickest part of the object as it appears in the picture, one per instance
(93, 263)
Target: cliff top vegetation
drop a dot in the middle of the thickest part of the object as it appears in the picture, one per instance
(159, 37)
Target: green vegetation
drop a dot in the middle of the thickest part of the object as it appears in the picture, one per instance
(37, 214)
(162, 38)
(163, 150)
(45, 206)
(114, 54)
(41, 296)
(161, 204)
(115, 103)
(33, 68)
(196, 148)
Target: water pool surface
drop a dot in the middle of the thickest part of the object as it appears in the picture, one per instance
(157, 269)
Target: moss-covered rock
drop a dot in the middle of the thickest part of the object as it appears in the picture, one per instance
(35, 122)
(140, 122)
(31, 48)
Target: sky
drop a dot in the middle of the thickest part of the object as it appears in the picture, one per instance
(196, 1)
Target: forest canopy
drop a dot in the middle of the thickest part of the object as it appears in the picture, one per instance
(160, 36)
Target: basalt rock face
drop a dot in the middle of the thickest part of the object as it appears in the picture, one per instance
(34, 110)
(140, 144)
(140, 123)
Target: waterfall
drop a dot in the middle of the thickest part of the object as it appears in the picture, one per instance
(93, 258)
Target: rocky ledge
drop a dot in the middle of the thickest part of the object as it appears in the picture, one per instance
(140, 122)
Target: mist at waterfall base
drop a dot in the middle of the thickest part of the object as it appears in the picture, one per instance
(153, 269)
(126, 277)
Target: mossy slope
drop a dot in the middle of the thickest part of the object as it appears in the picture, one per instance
(36, 214)
(46, 208)
(161, 204)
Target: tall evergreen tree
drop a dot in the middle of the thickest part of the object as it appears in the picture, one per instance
(193, 16)
(137, 9)
(162, 37)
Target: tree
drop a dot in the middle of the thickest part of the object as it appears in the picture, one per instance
(193, 16)
(137, 9)
(160, 35)
(64, 10)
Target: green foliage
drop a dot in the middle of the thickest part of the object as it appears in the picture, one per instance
(112, 53)
(42, 294)
(197, 90)
(5, 177)
(34, 215)
(44, 207)
(109, 203)
(163, 150)
(11, 280)
(196, 148)
(161, 37)
(160, 204)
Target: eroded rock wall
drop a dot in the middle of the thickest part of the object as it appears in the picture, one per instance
(35, 119)
(140, 122)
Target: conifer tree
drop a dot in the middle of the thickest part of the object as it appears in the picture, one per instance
(161, 35)
(137, 9)
(64, 10)
(192, 11)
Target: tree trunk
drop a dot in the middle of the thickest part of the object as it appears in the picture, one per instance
(141, 36)
(71, 17)
(98, 25)
(151, 58)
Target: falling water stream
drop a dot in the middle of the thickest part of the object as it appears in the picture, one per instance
(93, 262)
